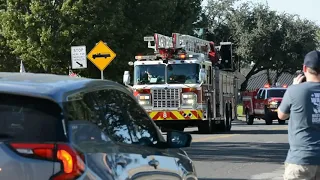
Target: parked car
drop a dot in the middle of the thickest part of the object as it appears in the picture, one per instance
(60, 127)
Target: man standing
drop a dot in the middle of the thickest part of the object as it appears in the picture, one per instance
(302, 103)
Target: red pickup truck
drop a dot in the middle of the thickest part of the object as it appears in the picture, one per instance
(263, 104)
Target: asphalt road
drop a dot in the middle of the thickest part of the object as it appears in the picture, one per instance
(247, 152)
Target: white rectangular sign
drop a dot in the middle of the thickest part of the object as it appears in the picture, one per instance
(78, 57)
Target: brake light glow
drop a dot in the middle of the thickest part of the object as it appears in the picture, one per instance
(267, 85)
(72, 163)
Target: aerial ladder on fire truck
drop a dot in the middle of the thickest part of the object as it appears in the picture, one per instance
(186, 81)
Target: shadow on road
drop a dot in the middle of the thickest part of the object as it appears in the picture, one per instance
(219, 179)
(249, 131)
(259, 131)
(238, 152)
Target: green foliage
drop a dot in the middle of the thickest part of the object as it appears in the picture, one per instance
(271, 40)
(42, 32)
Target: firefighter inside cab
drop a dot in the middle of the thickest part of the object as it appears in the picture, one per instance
(263, 103)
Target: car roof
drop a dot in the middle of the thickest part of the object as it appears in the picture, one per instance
(48, 86)
(274, 88)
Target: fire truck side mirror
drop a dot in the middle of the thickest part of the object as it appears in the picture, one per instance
(202, 75)
(126, 78)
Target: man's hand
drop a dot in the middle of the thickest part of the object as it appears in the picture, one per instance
(299, 79)
(282, 116)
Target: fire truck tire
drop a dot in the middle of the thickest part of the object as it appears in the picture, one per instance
(268, 119)
(281, 121)
(231, 117)
(249, 118)
(205, 127)
(227, 119)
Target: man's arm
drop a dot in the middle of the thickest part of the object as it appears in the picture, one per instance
(284, 108)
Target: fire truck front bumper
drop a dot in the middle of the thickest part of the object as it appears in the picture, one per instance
(176, 115)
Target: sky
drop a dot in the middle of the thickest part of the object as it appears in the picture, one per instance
(308, 9)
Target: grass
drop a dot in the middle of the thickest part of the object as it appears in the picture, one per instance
(240, 110)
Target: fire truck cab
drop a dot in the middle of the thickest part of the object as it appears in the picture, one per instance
(180, 85)
(263, 104)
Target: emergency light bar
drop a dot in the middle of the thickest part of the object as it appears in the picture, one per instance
(277, 85)
(145, 57)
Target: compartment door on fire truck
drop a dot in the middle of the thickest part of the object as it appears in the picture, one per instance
(261, 96)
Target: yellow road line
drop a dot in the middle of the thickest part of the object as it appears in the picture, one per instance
(213, 137)
(279, 128)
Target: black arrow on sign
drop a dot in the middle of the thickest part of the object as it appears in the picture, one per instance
(81, 65)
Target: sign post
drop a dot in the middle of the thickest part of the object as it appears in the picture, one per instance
(101, 56)
(78, 57)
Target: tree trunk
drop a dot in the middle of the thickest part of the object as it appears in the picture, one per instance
(278, 74)
(268, 77)
(251, 73)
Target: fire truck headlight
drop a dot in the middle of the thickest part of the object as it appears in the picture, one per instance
(273, 104)
(144, 99)
(189, 98)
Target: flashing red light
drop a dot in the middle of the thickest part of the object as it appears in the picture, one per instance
(141, 91)
(267, 85)
(184, 90)
(182, 56)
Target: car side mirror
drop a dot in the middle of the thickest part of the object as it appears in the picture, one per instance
(126, 78)
(178, 139)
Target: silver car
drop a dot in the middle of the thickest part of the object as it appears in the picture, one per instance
(59, 127)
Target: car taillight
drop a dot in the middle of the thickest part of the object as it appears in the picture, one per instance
(71, 162)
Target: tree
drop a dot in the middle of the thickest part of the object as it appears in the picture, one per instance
(271, 41)
(215, 20)
(8, 61)
(297, 39)
(42, 32)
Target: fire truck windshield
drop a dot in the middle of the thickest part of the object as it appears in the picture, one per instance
(150, 74)
(276, 92)
(183, 73)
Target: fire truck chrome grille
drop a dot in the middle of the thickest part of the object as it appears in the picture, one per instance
(166, 98)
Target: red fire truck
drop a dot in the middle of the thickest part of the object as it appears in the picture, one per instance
(180, 84)
(263, 103)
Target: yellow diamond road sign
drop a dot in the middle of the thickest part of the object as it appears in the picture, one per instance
(101, 55)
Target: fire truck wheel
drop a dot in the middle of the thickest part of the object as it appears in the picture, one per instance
(231, 115)
(249, 118)
(268, 119)
(206, 127)
(227, 121)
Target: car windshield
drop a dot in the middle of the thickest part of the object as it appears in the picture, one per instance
(183, 73)
(150, 74)
(276, 92)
